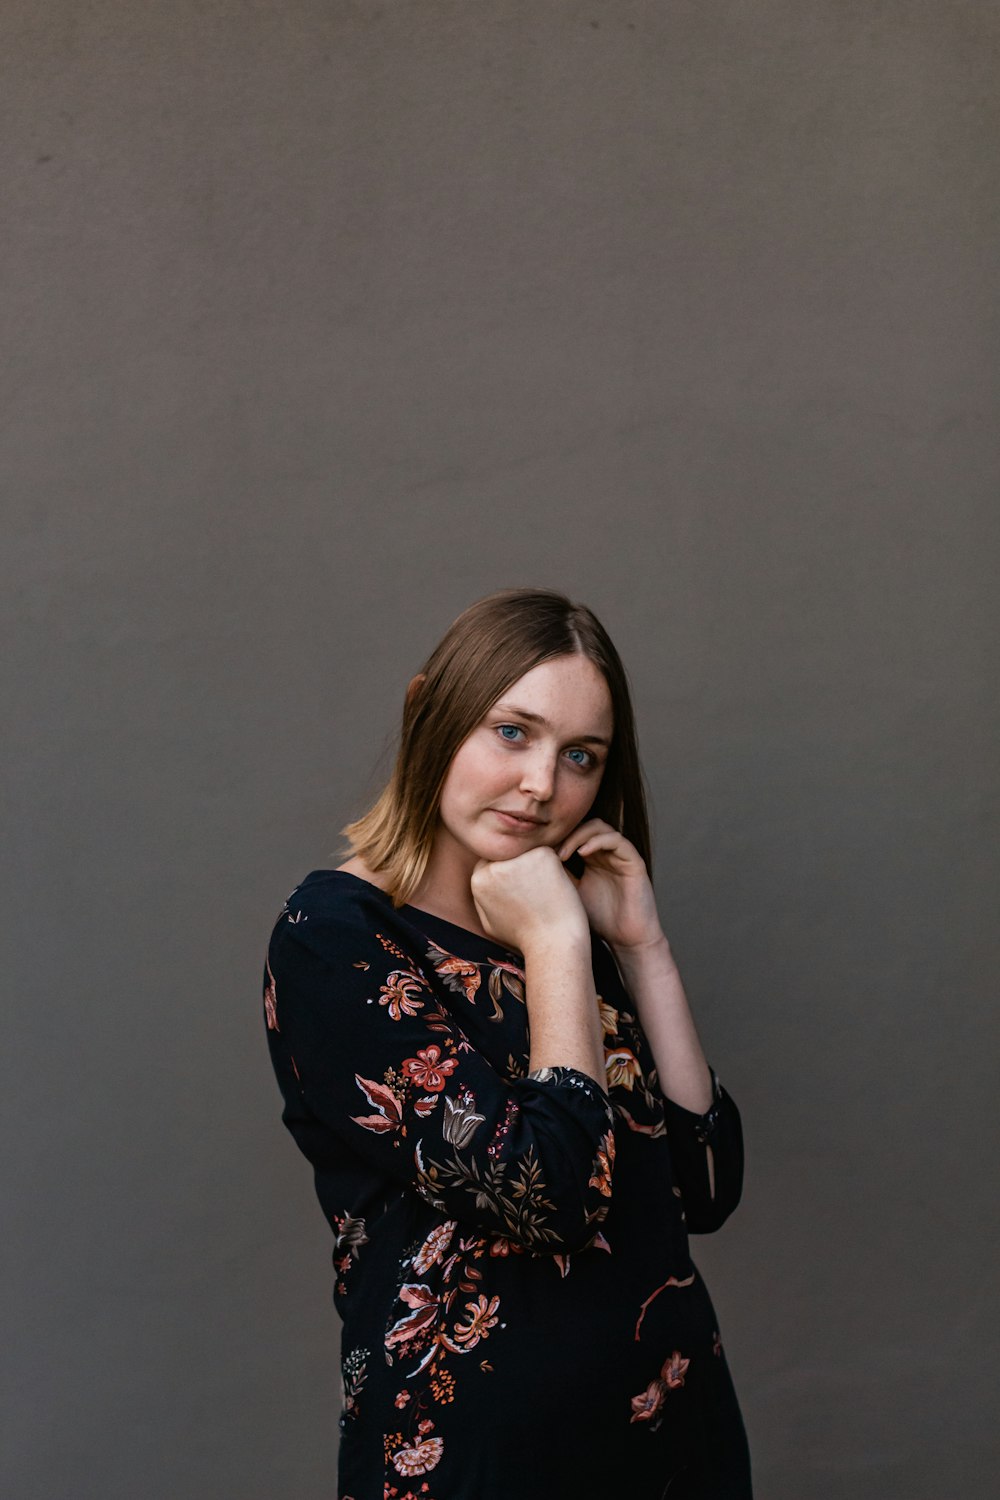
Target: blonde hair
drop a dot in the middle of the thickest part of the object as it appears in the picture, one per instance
(490, 646)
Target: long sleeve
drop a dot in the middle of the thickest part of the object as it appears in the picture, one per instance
(688, 1134)
(638, 1097)
(372, 1063)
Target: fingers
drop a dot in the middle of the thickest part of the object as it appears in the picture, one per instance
(593, 835)
(611, 842)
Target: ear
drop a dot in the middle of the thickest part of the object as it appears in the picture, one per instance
(416, 683)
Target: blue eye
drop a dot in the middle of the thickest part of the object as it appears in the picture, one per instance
(512, 733)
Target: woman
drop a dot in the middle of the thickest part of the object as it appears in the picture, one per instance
(486, 1053)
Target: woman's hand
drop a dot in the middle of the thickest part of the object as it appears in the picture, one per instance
(527, 899)
(615, 887)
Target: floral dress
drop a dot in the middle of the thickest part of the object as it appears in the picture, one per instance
(521, 1315)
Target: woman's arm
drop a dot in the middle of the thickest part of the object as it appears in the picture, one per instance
(650, 976)
(530, 903)
(564, 1021)
(703, 1123)
(706, 1141)
(371, 1061)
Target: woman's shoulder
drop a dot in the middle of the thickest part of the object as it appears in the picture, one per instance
(356, 866)
(335, 902)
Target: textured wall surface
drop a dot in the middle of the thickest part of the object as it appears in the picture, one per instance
(323, 319)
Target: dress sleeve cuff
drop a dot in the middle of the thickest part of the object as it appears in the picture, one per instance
(703, 1126)
(576, 1079)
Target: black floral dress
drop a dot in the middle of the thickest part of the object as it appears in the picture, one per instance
(521, 1315)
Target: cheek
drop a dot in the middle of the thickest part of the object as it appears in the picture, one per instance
(489, 762)
(476, 772)
(580, 795)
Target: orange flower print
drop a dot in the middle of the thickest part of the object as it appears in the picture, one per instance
(271, 1000)
(459, 974)
(601, 1178)
(401, 993)
(482, 1319)
(418, 1458)
(673, 1370)
(622, 1068)
(425, 1311)
(647, 1406)
(402, 1399)
(609, 1017)
(429, 1070)
(505, 979)
(508, 977)
(431, 1252)
(389, 1117)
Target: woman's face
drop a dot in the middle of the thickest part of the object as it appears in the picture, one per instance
(538, 753)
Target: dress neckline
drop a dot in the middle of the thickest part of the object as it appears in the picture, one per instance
(426, 916)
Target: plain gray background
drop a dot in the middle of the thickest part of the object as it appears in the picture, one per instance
(324, 319)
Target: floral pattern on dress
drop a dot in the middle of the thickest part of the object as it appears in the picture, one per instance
(452, 1317)
(463, 977)
(270, 1000)
(679, 1281)
(624, 1047)
(516, 1192)
(460, 975)
(411, 1452)
(411, 1075)
(600, 1178)
(353, 1373)
(350, 1237)
(647, 1406)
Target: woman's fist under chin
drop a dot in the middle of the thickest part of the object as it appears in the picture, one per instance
(531, 897)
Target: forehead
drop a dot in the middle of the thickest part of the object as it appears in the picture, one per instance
(570, 692)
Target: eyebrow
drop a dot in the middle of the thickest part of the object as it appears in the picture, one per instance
(523, 713)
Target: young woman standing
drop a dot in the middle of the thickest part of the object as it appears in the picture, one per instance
(486, 1052)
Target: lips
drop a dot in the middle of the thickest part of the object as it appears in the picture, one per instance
(519, 819)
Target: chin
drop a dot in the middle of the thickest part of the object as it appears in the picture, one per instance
(496, 850)
(483, 843)
(495, 846)
(502, 847)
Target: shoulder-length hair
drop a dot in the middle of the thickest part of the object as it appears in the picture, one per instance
(490, 646)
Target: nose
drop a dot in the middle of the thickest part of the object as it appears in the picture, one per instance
(538, 776)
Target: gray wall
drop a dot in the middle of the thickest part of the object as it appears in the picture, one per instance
(324, 319)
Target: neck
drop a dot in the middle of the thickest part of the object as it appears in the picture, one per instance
(445, 891)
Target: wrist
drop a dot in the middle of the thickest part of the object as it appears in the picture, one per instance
(655, 949)
(566, 936)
